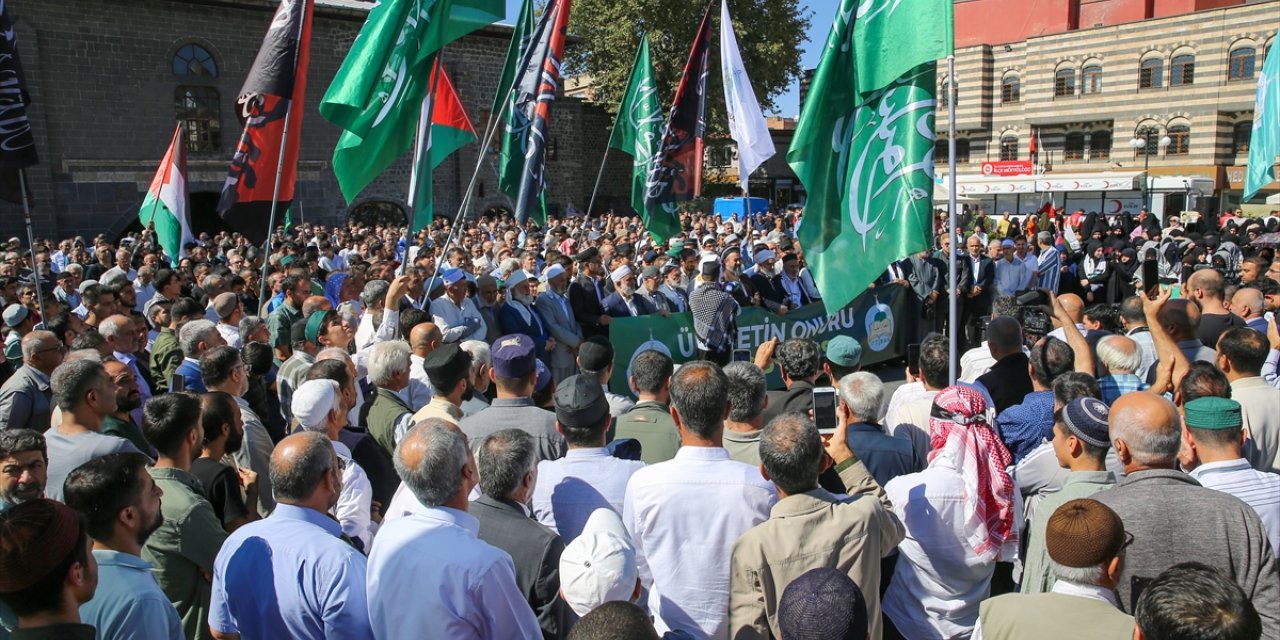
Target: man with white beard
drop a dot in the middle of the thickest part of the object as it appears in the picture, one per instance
(557, 314)
(624, 302)
(519, 315)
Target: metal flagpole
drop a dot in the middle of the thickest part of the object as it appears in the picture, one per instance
(952, 319)
(31, 243)
(275, 191)
(599, 174)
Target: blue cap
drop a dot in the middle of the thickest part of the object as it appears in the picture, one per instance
(514, 356)
(1007, 243)
(453, 276)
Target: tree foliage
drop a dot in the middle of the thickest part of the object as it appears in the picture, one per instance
(608, 31)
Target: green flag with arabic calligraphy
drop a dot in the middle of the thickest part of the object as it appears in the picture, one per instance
(864, 145)
(637, 130)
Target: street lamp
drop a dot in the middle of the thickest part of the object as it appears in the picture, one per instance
(1142, 140)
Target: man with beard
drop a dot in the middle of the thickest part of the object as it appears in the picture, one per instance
(224, 434)
(455, 313)
(448, 368)
(121, 506)
(557, 313)
(24, 467)
(120, 423)
(518, 315)
(649, 281)
(586, 295)
(624, 302)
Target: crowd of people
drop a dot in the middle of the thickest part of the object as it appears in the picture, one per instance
(401, 437)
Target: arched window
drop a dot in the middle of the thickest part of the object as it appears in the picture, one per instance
(198, 109)
(1180, 139)
(1073, 149)
(1091, 79)
(1100, 145)
(945, 91)
(962, 150)
(1010, 89)
(1240, 64)
(194, 61)
(1240, 135)
(1064, 82)
(1009, 146)
(1151, 73)
(1182, 70)
(1149, 131)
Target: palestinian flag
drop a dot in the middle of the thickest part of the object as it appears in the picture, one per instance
(450, 130)
(165, 207)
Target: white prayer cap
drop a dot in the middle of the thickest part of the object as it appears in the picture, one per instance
(551, 272)
(599, 566)
(763, 255)
(620, 273)
(516, 277)
(313, 401)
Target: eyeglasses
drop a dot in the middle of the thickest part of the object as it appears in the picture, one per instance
(61, 347)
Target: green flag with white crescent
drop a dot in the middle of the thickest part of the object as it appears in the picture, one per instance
(1264, 142)
(863, 147)
(637, 131)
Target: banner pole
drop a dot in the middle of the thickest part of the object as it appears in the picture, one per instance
(599, 174)
(275, 191)
(31, 243)
(953, 319)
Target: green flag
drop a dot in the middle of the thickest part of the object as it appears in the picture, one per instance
(1264, 142)
(519, 42)
(864, 145)
(637, 131)
(376, 96)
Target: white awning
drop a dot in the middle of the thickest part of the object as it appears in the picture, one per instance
(1107, 181)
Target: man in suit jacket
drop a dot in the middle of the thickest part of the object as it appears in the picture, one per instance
(982, 286)
(764, 280)
(507, 461)
(557, 315)
(677, 296)
(944, 286)
(586, 295)
(624, 302)
(518, 315)
(25, 398)
(794, 292)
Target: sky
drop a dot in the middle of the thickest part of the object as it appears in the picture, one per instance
(788, 104)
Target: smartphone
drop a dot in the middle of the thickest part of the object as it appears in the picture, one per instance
(913, 359)
(177, 382)
(742, 355)
(1151, 278)
(824, 409)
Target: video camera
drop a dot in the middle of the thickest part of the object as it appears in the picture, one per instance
(1032, 314)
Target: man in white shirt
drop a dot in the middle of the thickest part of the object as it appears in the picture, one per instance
(1241, 354)
(1029, 261)
(423, 339)
(455, 313)
(318, 406)
(685, 514)
(429, 576)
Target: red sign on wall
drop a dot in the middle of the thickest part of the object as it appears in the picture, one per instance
(1007, 168)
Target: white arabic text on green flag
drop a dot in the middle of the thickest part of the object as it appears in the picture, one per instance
(1264, 142)
(864, 145)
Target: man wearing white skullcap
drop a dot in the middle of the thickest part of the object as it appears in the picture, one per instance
(624, 302)
(317, 406)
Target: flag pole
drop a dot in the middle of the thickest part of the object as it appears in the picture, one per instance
(599, 174)
(275, 191)
(952, 319)
(420, 149)
(31, 243)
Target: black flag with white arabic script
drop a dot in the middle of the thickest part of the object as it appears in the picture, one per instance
(17, 143)
(675, 174)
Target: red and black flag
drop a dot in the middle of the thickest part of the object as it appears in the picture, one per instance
(271, 97)
(522, 163)
(17, 143)
(675, 174)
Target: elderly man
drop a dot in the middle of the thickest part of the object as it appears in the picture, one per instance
(389, 416)
(1241, 354)
(292, 575)
(318, 406)
(24, 467)
(1211, 452)
(25, 398)
(195, 338)
(119, 330)
(455, 313)
(423, 339)
(507, 463)
(514, 374)
(702, 490)
(557, 315)
(429, 575)
(519, 314)
(624, 301)
(120, 503)
(1171, 516)
(1086, 542)
(85, 394)
(886, 457)
(1120, 358)
(809, 528)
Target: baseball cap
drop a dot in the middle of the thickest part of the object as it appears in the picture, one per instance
(599, 565)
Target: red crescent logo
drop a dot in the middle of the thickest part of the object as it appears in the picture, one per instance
(1077, 183)
(1119, 206)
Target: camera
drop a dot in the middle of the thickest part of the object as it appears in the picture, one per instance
(1036, 323)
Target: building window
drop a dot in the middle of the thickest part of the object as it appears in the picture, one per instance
(1240, 64)
(962, 150)
(1150, 75)
(941, 151)
(1091, 79)
(1240, 136)
(944, 92)
(194, 61)
(1100, 145)
(1180, 140)
(1074, 147)
(1010, 89)
(1064, 82)
(719, 156)
(1008, 147)
(198, 109)
(1182, 71)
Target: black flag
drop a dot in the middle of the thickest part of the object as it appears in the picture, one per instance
(675, 174)
(17, 144)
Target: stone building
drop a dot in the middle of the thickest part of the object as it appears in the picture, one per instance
(1085, 93)
(109, 79)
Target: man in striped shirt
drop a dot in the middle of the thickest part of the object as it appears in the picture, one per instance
(1211, 443)
(1049, 270)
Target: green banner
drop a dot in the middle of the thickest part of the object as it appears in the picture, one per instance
(879, 319)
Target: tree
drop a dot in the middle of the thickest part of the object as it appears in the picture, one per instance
(608, 32)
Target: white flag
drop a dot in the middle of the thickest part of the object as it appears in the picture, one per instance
(746, 123)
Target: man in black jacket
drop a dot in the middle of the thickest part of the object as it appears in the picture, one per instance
(507, 461)
(1009, 379)
(586, 293)
(801, 364)
(982, 286)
